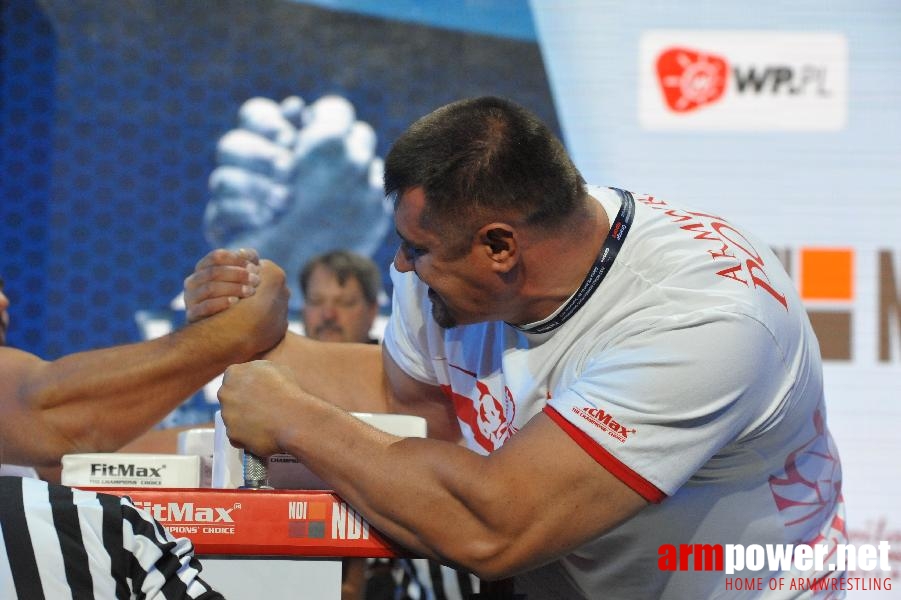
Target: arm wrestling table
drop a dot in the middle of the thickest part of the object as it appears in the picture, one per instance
(278, 543)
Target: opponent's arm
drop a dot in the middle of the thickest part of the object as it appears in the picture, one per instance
(352, 376)
(98, 400)
(346, 374)
(363, 378)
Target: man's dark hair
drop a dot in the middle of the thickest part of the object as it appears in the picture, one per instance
(482, 158)
(345, 265)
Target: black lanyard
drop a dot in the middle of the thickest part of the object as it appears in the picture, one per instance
(599, 269)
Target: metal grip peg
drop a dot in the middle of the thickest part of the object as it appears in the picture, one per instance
(256, 472)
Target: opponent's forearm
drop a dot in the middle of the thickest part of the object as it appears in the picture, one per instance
(347, 375)
(99, 400)
(353, 377)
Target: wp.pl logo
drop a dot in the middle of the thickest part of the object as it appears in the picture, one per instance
(690, 79)
(742, 80)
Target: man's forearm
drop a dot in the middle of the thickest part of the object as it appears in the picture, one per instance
(436, 480)
(348, 375)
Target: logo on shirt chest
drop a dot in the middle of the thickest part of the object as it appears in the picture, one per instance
(488, 415)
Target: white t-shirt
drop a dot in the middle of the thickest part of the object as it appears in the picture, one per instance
(692, 374)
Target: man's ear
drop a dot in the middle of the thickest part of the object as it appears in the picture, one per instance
(500, 244)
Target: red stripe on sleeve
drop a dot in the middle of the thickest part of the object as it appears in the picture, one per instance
(639, 484)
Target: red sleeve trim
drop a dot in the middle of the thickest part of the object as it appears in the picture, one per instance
(639, 484)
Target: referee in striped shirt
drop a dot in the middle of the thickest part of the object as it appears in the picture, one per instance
(59, 542)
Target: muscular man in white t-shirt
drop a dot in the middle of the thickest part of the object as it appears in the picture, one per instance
(694, 384)
(605, 375)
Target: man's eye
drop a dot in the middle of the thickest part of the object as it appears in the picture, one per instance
(412, 252)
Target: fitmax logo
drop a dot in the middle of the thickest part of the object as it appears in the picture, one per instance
(125, 470)
(188, 512)
(605, 421)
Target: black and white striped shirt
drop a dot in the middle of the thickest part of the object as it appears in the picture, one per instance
(59, 543)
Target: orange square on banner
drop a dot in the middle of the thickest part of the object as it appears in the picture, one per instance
(316, 511)
(827, 273)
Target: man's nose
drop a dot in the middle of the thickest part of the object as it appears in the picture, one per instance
(329, 311)
(401, 262)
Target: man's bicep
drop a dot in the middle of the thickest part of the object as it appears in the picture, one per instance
(589, 498)
(548, 496)
(410, 396)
